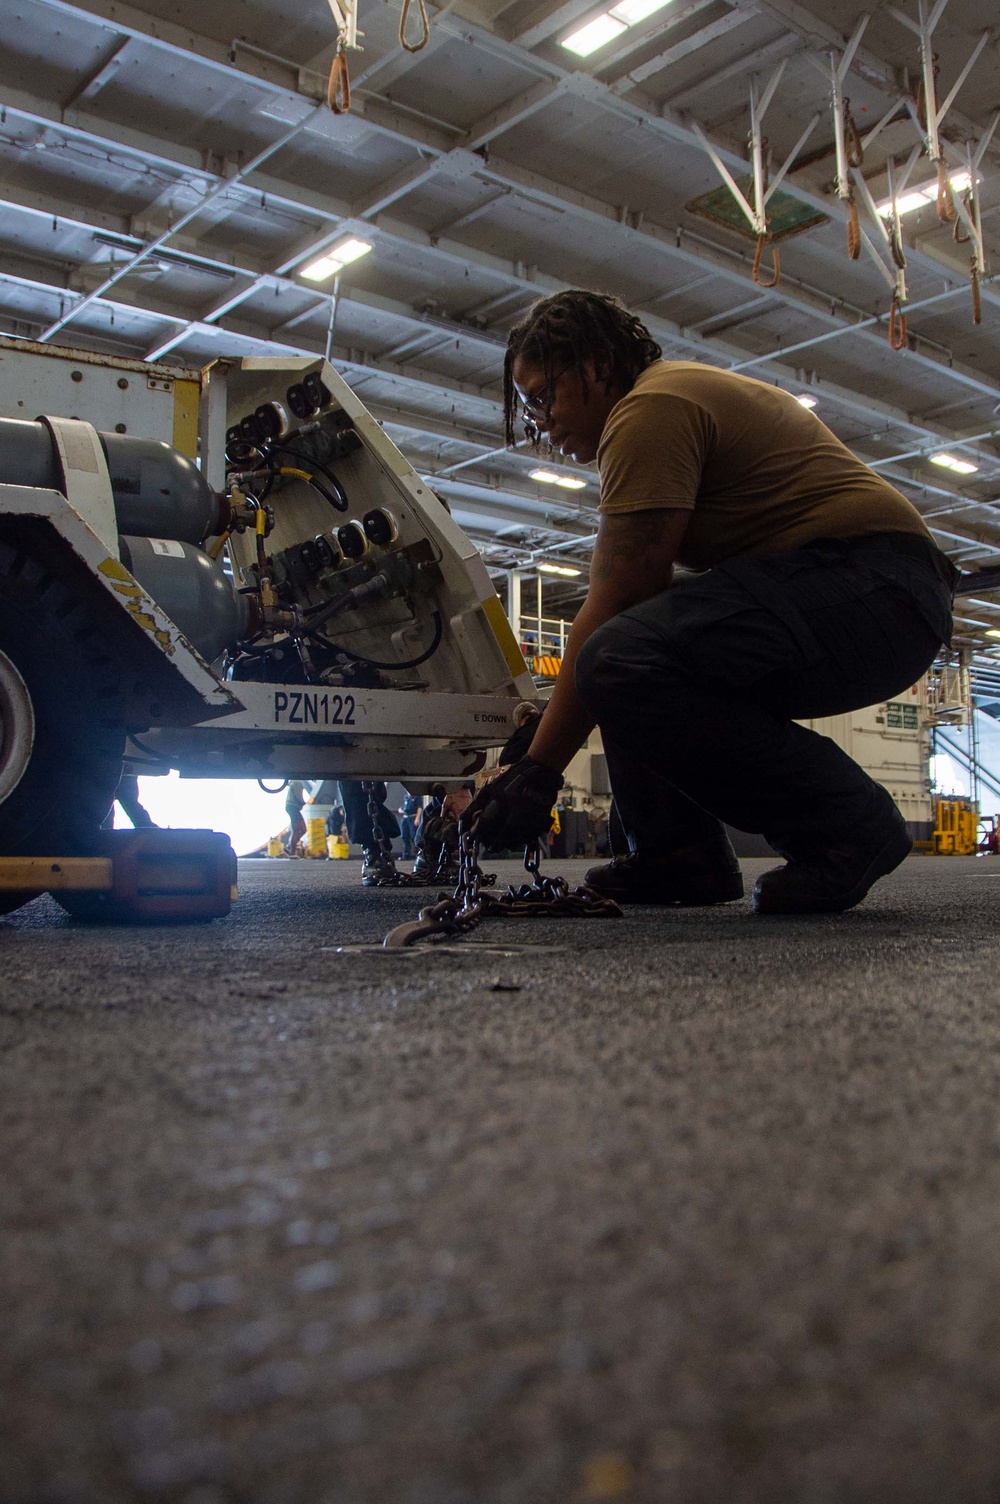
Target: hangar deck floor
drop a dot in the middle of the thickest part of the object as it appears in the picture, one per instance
(696, 1207)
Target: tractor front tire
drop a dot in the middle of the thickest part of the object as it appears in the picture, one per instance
(60, 744)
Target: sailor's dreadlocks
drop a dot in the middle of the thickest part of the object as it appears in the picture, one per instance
(569, 329)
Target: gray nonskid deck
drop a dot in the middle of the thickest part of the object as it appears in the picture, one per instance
(694, 1207)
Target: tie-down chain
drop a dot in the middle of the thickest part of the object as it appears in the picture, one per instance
(543, 898)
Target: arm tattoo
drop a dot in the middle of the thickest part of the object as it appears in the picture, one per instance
(624, 538)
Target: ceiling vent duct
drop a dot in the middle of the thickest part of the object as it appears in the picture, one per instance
(786, 215)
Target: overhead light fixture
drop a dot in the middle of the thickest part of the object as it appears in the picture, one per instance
(335, 259)
(805, 401)
(925, 194)
(634, 11)
(604, 28)
(993, 632)
(552, 478)
(563, 569)
(595, 34)
(951, 462)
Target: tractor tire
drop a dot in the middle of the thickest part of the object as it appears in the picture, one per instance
(60, 745)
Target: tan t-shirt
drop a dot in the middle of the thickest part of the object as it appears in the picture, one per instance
(758, 471)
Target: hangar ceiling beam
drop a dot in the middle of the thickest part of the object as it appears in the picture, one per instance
(307, 86)
(634, 39)
(427, 139)
(430, 382)
(153, 246)
(730, 264)
(761, 57)
(656, 64)
(102, 74)
(772, 366)
(353, 361)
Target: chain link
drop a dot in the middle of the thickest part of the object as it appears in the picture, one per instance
(382, 871)
(544, 897)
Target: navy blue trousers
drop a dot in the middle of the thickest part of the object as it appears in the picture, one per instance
(360, 830)
(697, 691)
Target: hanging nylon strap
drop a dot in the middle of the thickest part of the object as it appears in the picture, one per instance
(338, 93)
(945, 203)
(776, 273)
(853, 230)
(425, 27)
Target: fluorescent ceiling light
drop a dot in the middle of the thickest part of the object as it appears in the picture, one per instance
(951, 462)
(992, 632)
(611, 24)
(551, 478)
(925, 194)
(805, 401)
(587, 40)
(559, 569)
(634, 11)
(335, 258)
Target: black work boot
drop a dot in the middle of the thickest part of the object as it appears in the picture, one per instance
(378, 869)
(837, 877)
(690, 876)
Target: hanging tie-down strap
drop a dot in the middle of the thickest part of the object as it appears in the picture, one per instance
(425, 27)
(338, 93)
(775, 277)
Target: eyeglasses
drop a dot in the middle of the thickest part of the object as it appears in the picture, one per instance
(538, 405)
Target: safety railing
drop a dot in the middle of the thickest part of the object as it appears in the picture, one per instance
(543, 643)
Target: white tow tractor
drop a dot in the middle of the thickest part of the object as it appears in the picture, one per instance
(299, 604)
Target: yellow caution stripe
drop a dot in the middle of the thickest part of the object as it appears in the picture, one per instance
(501, 628)
(547, 666)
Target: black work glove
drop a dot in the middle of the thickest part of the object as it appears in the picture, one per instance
(516, 807)
(518, 744)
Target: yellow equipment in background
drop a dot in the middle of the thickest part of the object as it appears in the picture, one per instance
(956, 827)
(314, 843)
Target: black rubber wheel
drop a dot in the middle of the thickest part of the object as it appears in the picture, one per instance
(60, 744)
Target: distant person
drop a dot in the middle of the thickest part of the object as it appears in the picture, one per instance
(127, 799)
(295, 798)
(453, 808)
(597, 820)
(457, 802)
(409, 818)
(328, 792)
(377, 866)
(429, 833)
(432, 809)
